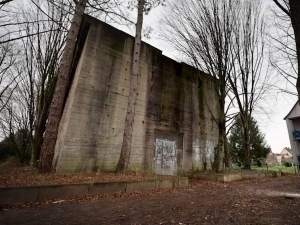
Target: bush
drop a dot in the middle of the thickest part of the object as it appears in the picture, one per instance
(258, 163)
(287, 164)
(6, 151)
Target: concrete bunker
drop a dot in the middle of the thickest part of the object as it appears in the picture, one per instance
(173, 128)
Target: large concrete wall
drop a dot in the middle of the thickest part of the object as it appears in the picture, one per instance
(174, 102)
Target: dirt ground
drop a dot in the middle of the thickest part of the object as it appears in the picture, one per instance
(247, 202)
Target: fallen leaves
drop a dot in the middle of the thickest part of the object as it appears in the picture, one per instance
(17, 176)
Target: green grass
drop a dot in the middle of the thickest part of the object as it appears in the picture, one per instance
(275, 168)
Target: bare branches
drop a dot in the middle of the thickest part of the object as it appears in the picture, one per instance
(283, 53)
(203, 32)
(8, 74)
(109, 9)
(226, 40)
(284, 9)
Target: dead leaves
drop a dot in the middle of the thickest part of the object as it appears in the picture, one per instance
(17, 176)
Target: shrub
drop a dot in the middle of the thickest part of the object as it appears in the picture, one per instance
(6, 150)
(287, 164)
(258, 163)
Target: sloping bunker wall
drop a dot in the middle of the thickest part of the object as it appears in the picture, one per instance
(173, 127)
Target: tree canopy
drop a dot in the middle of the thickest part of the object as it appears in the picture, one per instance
(258, 145)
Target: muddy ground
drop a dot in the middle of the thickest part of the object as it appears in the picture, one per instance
(246, 202)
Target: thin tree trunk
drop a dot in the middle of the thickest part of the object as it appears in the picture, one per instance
(246, 144)
(220, 152)
(56, 107)
(227, 159)
(128, 129)
(36, 146)
(222, 122)
(221, 141)
(40, 123)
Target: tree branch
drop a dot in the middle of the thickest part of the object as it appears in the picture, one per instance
(282, 8)
(5, 1)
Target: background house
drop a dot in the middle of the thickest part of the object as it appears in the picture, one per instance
(293, 125)
(286, 155)
(275, 159)
(272, 159)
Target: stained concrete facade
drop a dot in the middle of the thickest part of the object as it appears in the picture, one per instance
(173, 108)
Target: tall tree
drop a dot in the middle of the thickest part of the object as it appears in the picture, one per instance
(203, 32)
(14, 124)
(42, 54)
(258, 146)
(292, 9)
(143, 5)
(128, 129)
(223, 39)
(63, 78)
(248, 82)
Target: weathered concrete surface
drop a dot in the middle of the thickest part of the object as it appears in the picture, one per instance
(164, 184)
(174, 102)
(102, 188)
(140, 186)
(182, 182)
(226, 178)
(19, 194)
(36, 193)
(63, 191)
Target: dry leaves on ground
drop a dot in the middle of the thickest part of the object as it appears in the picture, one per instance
(17, 176)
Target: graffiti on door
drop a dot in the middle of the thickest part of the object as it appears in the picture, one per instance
(165, 157)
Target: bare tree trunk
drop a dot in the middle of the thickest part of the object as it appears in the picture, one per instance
(221, 142)
(56, 107)
(227, 158)
(128, 129)
(246, 144)
(220, 152)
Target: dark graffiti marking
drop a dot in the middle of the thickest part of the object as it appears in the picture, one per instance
(165, 153)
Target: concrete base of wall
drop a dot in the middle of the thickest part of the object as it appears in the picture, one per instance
(38, 193)
(226, 178)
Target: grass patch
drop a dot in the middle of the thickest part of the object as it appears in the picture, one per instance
(275, 168)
